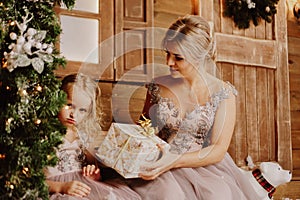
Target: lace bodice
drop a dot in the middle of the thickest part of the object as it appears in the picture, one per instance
(71, 158)
(193, 130)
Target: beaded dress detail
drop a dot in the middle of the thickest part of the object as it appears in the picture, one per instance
(194, 127)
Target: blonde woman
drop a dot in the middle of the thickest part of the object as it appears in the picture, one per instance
(195, 113)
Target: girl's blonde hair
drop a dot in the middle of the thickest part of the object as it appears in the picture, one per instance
(90, 128)
(192, 35)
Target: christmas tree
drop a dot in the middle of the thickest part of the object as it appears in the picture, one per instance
(30, 95)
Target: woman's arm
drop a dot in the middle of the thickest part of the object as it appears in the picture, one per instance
(221, 137)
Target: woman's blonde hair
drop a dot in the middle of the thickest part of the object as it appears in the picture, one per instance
(193, 36)
(89, 128)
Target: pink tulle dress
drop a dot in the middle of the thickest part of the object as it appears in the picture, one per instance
(220, 181)
(71, 159)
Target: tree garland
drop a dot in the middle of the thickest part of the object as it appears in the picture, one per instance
(244, 11)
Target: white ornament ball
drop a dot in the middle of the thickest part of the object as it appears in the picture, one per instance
(13, 36)
(268, 9)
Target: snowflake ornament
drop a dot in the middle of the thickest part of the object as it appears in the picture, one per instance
(28, 48)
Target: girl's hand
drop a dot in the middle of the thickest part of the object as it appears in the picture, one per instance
(92, 172)
(164, 164)
(76, 188)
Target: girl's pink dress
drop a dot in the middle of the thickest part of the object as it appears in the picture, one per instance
(220, 181)
(71, 159)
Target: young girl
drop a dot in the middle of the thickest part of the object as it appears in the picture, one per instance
(69, 179)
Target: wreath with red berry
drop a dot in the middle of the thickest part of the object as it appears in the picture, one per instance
(244, 11)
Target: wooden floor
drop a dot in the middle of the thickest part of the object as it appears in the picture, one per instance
(289, 191)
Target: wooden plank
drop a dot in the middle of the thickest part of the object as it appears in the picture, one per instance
(296, 139)
(245, 51)
(295, 96)
(251, 110)
(294, 45)
(226, 23)
(269, 31)
(296, 159)
(206, 10)
(260, 31)
(217, 16)
(105, 105)
(293, 27)
(295, 120)
(282, 84)
(175, 7)
(271, 115)
(240, 131)
(127, 102)
(294, 63)
(227, 75)
(262, 113)
(288, 191)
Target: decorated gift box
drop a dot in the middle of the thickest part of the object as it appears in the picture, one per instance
(128, 147)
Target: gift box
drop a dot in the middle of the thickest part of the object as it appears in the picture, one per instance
(127, 147)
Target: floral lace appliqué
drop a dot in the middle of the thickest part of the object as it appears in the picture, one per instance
(71, 159)
(194, 127)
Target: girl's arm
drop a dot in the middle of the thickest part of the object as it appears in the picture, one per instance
(74, 188)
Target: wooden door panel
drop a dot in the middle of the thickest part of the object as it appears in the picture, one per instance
(132, 39)
(255, 61)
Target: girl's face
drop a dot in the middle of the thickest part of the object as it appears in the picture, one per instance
(77, 109)
(179, 66)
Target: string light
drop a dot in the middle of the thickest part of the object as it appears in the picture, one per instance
(49, 157)
(39, 88)
(8, 122)
(2, 156)
(11, 186)
(12, 23)
(38, 121)
(25, 170)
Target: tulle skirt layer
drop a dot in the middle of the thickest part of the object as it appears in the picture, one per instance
(113, 190)
(220, 181)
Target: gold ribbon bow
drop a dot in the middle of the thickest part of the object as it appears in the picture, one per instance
(147, 126)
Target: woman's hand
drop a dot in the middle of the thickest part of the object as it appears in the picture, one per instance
(75, 188)
(165, 163)
(92, 172)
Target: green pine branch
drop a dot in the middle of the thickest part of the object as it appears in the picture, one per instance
(30, 99)
(243, 12)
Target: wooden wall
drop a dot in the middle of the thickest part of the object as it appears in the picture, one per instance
(294, 70)
(259, 113)
(118, 98)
